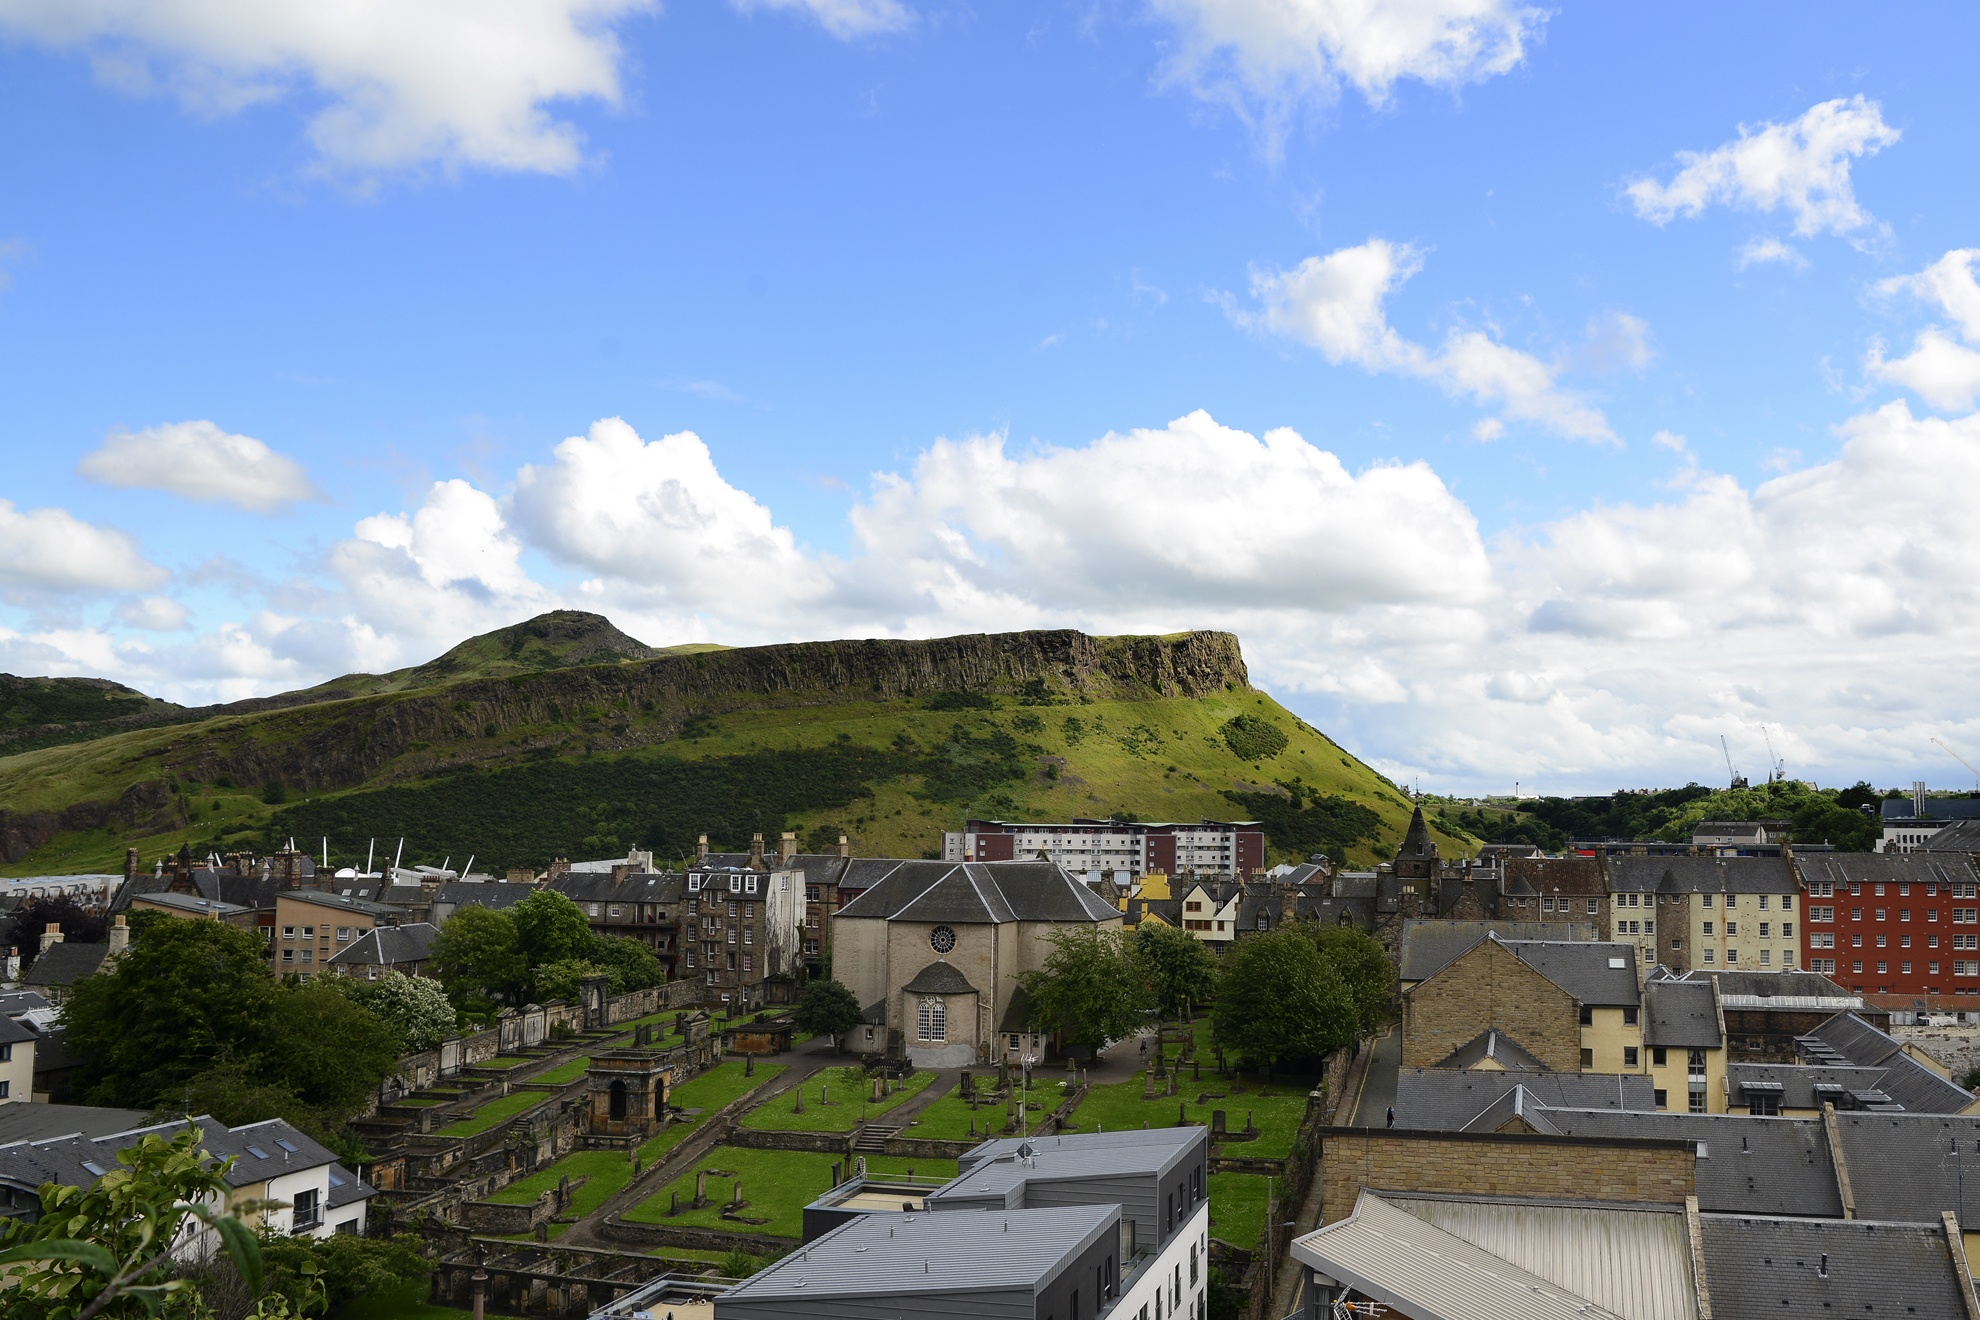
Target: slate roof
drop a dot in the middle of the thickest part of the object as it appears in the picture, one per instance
(1599, 974)
(1680, 1015)
(1757, 1266)
(936, 1255)
(1517, 1103)
(939, 978)
(1796, 1084)
(1960, 837)
(346, 1188)
(1495, 1045)
(635, 887)
(387, 946)
(818, 868)
(66, 1159)
(1702, 875)
(1907, 1082)
(1785, 990)
(15, 1002)
(994, 1169)
(1912, 1166)
(1429, 945)
(493, 894)
(40, 1122)
(1579, 876)
(1446, 1099)
(978, 893)
(65, 963)
(1134, 1149)
(1749, 1165)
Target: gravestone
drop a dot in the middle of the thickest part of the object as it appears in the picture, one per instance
(1216, 1124)
(966, 1085)
(701, 1189)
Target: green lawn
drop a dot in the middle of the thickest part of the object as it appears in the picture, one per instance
(721, 1084)
(499, 1110)
(562, 1073)
(406, 1303)
(849, 1090)
(1277, 1111)
(420, 1102)
(506, 1061)
(1237, 1208)
(948, 1119)
(777, 1183)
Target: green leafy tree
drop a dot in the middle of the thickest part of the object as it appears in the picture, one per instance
(827, 1008)
(1364, 966)
(107, 1251)
(346, 1266)
(416, 1006)
(560, 980)
(477, 957)
(631, 963)
(550, 928)
(1279, 1000)
(179, 1000)
(1175, 966)
(1088, 991)
(328, 1047)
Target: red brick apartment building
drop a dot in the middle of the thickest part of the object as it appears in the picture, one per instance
(1892, 923)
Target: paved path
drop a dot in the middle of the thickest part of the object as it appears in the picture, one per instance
(1377, 1092)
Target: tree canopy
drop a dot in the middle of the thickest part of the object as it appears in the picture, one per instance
(1280, 999)
(550, 928)
(1175, 966)
(416, 1006)
(826, 1008)
(478, 957)
(1364, 966)
(1089, 991)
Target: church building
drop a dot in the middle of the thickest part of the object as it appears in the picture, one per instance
(934, 949)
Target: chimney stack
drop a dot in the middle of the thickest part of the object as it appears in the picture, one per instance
(701, 848)
(845, 848)
(786, 848)
(120, 938)
(558, 866)
(756, 851)
(52, 936)
(13, 964)
(130, 863)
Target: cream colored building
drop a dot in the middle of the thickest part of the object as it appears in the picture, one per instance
(1709, 913)
(16, 1062)
(933, 951)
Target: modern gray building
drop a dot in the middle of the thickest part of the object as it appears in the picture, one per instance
(1050, 1228)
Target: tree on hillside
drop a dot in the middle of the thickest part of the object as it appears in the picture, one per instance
(1088, 992)
(827, 1008)
(1280, 1000)
(1175, 966)
(550, 928)
(326, 1046)
(1363, 965)
(182, 997)
(477, 957)
(561, 979)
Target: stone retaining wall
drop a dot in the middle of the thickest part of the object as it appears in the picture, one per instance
(615, 1229)
(823, 1143)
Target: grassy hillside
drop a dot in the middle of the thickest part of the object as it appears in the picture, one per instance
(889, 743)
(43, 712)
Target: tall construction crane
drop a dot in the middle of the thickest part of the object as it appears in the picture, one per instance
(1776, 767)
(1732, 772)
(1963, 761)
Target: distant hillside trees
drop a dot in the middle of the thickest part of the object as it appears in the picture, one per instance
(540, 949)
(1302, 821)
(1832, 816)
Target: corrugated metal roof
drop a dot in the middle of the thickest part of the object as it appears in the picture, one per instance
(1429, 1274)
(1636, 1262)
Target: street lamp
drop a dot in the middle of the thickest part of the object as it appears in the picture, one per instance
(1024, 1101)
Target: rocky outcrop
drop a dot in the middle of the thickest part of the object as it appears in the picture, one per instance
(622, 706)
(146, 807)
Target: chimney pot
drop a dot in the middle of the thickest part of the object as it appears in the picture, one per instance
(51, 936)
(701, 848)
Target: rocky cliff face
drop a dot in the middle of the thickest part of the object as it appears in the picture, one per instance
(621, 706)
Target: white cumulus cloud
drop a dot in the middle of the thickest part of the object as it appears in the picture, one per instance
(52, 550)
(659, 514)
(1802, 167)
(201, 462)
(844, 19)
(1336, 303)
(451, 82)
(1268, 57)
(1939, 369)
(154, 614)
(1766, 248)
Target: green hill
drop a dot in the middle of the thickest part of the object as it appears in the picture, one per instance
(562, 736)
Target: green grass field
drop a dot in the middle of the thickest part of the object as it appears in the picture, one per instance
(407, 1303)
(1277, 1111)
(1237, 1208)
(948, 1119)
(563, 1073)
(849, 1091)
(721, 1084)
(777, 1183)
(499, 1110)
(504, 1063)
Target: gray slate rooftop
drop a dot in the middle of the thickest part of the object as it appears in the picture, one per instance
(1602, 975)
(978, 893)
(1428, 946)
(1446, 1100)
(387, 946)
(64, 964)
(1760, 1266)
(1774, 1166)
(1680, 1015)
(1913, 1166)
(1702, 875)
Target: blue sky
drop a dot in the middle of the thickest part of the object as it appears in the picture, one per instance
(1405, 340)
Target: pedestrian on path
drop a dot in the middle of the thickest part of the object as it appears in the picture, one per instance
(1392, 1115)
